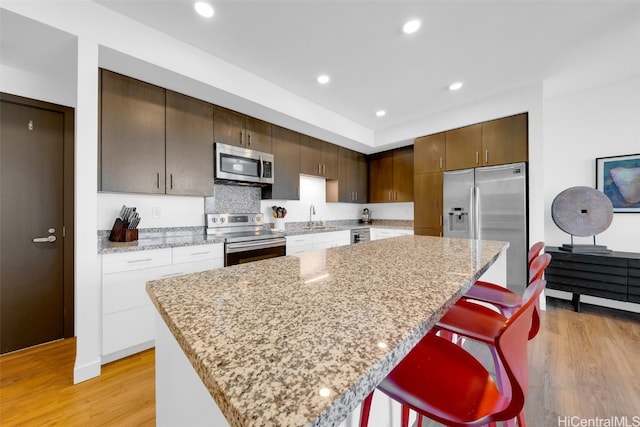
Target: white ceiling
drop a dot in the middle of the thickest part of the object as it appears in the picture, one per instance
(492, 46)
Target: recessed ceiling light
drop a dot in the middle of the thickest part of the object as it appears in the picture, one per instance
(380, 113)
(411, 26)
(455, 86)
(323, 79)
(204, 9)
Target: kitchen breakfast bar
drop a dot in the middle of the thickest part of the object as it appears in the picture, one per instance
(302, 340)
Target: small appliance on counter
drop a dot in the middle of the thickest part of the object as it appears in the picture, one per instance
(125, 229)
(366, 216)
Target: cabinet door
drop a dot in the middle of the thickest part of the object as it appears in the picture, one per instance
(286, 151)
(229, 127)
(362, 179)
(132, 126)
(381, 177)
(347, 175)
(329, 160)
(310, 156)
(258, 135)
(463, 147)
(427, 205)
(429, 153)
(189, 146)
(403, 174)
(505, 140)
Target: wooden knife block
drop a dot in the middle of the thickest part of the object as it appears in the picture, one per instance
(121, 233)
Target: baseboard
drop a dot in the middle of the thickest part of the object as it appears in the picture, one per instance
(86, 372)
(108, 358)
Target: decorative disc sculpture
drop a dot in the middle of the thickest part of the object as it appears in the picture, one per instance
(582, 211)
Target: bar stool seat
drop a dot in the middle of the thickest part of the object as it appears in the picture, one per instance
(444, 382)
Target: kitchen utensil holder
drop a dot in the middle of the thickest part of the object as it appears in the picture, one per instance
(121, 233)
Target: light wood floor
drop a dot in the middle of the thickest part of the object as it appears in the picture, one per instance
(581, 364)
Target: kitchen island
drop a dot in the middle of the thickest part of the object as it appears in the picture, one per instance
(302, 340)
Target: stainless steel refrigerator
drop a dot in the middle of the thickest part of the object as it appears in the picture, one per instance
(490, 203)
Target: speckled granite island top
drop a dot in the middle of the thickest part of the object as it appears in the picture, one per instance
(301, 340)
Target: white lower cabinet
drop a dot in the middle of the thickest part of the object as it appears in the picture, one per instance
(385, 233)
(127, 312)
(316, 241)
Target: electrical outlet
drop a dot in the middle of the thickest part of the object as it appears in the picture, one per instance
(155, 212)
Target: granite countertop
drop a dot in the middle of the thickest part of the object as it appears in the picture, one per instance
(158, 238)
(301, 340)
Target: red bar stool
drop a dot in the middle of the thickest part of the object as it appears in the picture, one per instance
(442, 381)
(504, 299)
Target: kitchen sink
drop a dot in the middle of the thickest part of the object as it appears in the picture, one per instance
(319, 227)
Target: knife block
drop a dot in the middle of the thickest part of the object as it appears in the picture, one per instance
(121, 233)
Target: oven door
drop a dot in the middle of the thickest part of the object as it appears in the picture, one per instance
(242, 252)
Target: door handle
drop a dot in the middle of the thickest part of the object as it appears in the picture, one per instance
(48, 239)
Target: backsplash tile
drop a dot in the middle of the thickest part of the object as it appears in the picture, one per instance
(233, 199)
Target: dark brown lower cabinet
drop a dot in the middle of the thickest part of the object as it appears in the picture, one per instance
(427, 205)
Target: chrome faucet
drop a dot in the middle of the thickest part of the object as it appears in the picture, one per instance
(312, 211)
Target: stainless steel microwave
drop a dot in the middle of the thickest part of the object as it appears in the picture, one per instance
(237, 165)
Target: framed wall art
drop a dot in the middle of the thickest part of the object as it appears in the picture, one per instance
(618, 177)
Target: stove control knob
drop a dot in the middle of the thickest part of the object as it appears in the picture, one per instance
(221, 219)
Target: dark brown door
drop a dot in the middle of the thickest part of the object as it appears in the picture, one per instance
(31, 221)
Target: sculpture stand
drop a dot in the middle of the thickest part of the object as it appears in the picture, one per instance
(585, 249)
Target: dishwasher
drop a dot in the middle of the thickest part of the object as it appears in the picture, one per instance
(360, 235)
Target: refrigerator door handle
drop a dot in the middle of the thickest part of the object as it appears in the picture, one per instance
(472, 214)
(478, 214)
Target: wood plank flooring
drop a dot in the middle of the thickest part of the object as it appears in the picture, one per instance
(36, 389)
(584, 364)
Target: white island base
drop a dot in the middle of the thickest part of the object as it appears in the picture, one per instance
(182, 398)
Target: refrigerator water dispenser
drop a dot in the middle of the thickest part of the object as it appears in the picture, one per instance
(458, 220)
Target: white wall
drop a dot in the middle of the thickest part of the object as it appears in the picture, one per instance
(172, 211)
(578, 127)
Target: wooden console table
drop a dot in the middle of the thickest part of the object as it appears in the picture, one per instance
(614, 276)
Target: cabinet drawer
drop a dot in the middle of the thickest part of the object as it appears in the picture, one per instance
(197, 253)
(300, 240)
(332, 236)
(127, 328)
(128, 261)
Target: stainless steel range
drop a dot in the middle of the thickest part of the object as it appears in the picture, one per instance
(246, 238)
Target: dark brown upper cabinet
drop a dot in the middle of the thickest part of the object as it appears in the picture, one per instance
(132, 135)
(189, 145)
(351, 185)
(233, 128)
(463, 146)
(495, 142)
(285, 146)
(391, 176)
(318, 158)
(429, 153)
(505, 140)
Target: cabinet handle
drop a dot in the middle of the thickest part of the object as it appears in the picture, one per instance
(199, 253)
(356, 196)
(241, 140)
(157, 179)
(486, 156)
(440, 220)
(171, 181)
(440, 162)
(389, 196)
(133, 261)
(319, 169)
(395, 195)
(477, 158)
(324, 169)
(248, 140)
